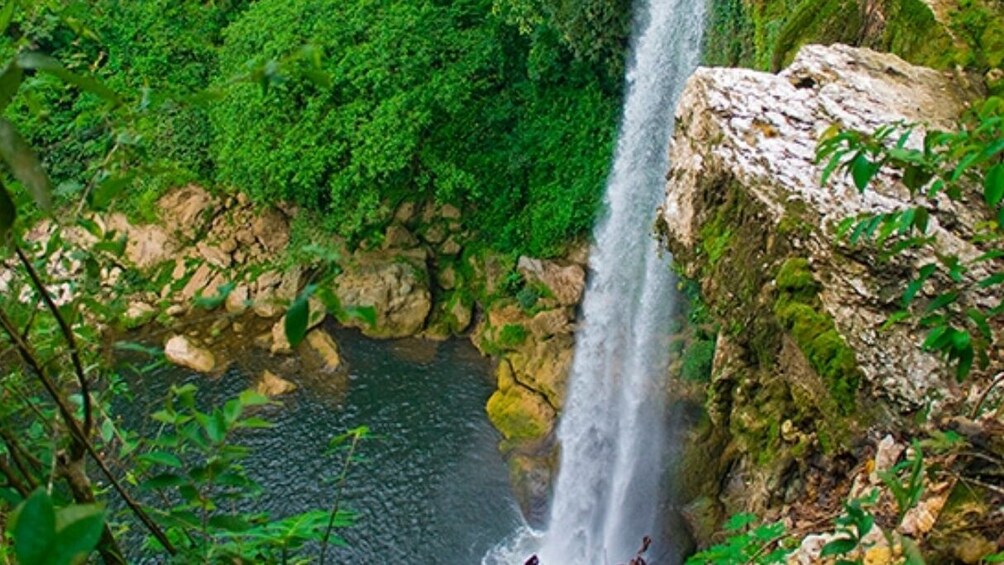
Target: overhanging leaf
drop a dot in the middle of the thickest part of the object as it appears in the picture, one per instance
(10, 81)
(8, 213)
(79, 529)
(34, 529)
(46, 64)
(296, 320)
(24, 165)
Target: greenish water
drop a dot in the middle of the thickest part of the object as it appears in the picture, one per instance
(431, 486)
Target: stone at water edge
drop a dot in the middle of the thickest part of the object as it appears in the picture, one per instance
(325, 347)
(316, 313)
(272, 385)
(181, 351)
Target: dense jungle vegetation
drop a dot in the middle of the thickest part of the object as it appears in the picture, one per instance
(346, 108)
(343, 108)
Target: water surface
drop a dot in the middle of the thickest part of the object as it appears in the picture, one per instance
(431, 486)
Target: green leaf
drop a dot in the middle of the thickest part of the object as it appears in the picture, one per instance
(862, 171)
(994, 279)
(161, 458)
(24, 165)
(941, 301)
(46, 64)
(163, 480)
(33, 528)
(79, 529)
(296, 320)
(8, 213)
(252, 398)
(993, 185)
(230, 523)
(10, 82)
(108, 190)
(6, 13)
(840, 546)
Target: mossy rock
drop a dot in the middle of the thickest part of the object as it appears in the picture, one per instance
(519, 413)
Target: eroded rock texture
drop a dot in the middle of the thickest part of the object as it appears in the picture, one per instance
(803, 364)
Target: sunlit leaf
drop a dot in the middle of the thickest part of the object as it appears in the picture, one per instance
(993, 185)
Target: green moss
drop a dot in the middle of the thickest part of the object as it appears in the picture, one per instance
(817, 21)
(696, 360)
(800, 314)
(511, 336)
(716, 237)
(513, 413)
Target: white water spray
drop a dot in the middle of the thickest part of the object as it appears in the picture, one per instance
(612, 429)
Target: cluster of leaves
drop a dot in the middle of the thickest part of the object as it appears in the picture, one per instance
(416, 101)
(748, 542)
(56, 417)
(948, 165)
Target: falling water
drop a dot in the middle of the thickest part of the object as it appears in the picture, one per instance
(612, 429)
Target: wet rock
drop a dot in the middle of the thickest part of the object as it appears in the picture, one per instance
(394, 285)
(272, 385)
(322, 344)
(518, 412)
(181, 351)
(238, 299)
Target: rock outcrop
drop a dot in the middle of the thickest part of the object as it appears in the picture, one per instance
(182, 351)
(804, 360)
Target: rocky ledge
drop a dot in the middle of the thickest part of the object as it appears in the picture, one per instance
(805, 371)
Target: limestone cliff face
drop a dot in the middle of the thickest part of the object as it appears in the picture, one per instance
(803, 363)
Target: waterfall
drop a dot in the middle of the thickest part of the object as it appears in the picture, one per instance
(612, 430)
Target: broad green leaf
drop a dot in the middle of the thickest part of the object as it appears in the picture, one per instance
(993, 185)
(161, 458)
(47, 64)
(296, 320)
(108, 190)
(6, 13)
(8, 213)
(79, 530)
(24, 165)
(840, 546)
(33, 528)
(163, 480)
(230, 523)
(252, 398)
(10, 82)
(862, 171)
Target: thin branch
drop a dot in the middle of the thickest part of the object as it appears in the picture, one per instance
(998, 379)
(68, 334)
(78, 436)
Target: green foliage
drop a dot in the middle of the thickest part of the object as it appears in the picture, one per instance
(194, 461)
(357, 126)
(511, 336)
(728, 38)
(697, 360)
(852, 526)
(949, 165)
(826, 21)
(46, 535)
(747, 543)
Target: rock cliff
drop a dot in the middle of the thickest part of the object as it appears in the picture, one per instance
(804, 366)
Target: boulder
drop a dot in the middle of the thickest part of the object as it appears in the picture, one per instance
(186, 209)
(322, 344)
(745, 145)
(271, 229)
(396, 286)
(272, 385)
(181, 351)
(566, 282)
(518, 412)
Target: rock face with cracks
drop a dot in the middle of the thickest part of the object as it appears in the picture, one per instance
(803, 362)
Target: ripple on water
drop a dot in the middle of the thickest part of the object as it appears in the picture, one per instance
(431, 486)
